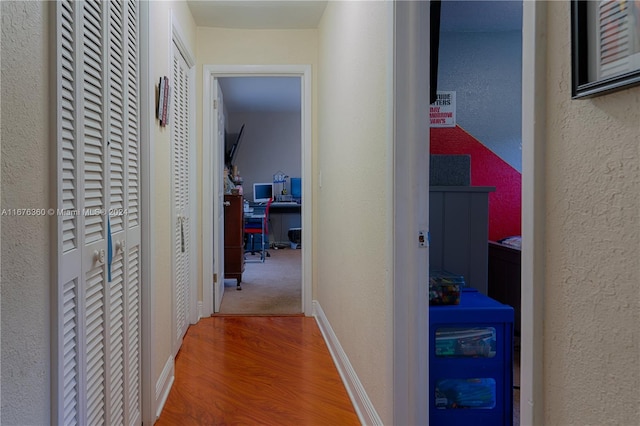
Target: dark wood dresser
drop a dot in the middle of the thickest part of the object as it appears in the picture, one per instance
(233, 237)
(504, 277)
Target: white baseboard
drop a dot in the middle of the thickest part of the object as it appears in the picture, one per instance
(163, 385)
(199, 310)
(361, 402)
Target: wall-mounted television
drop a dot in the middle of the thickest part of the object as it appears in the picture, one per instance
(434, 35)
(262, 192)
(231, 147)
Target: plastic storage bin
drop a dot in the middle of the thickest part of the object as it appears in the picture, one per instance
(444, 288)
(471, 362)
(465, 393)
(466, 342)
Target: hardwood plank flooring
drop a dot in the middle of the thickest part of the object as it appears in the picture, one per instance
(256, 371)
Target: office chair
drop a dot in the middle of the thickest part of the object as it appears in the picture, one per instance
(252, 228)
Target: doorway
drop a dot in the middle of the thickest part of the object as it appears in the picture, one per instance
(262, 152)
(213, 169)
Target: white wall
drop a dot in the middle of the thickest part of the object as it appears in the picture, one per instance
(219, 46)
(160, 60)
(353, 263)
(271, 143)
(592, 293)
(27, 147)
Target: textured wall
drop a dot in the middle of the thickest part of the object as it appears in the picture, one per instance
(26, 144)
(485, 70)
(353, 193)
(592, 292)
(487, 169)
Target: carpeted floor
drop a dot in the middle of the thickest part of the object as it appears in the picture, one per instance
(270, 288)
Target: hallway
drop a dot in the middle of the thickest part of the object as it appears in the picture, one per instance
(256, 370)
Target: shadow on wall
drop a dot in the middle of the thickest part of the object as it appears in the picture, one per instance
(487, 169)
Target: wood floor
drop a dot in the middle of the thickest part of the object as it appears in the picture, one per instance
(256, 371)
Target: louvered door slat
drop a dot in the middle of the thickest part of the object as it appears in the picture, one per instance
(93, 125)
(116, 342)
(116, 152)
(98, 362)
(70, 349)
(116, 115)
(176, 141)
(130, 202)
(95, 345)
(133, 336)
(184, 127)
(68, 362)
(67, 126)
(180, 150)
(133, 167)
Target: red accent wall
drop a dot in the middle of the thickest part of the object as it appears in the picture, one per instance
(487, 169)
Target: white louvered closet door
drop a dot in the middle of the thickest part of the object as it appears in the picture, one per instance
(97, 364)
(180, 140)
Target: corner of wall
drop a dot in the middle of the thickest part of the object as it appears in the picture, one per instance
(361, 402)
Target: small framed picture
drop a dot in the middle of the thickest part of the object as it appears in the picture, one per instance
(605, 46)
(164, 101)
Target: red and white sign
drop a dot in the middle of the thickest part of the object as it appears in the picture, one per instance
(442, 113)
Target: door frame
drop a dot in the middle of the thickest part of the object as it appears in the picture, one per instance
(534, 67)
(212, 167)
(410, 324)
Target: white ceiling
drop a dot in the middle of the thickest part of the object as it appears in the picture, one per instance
(264, 14)
(283, 94)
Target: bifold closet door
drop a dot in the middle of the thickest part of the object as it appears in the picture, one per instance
(180, 140)
(97, 364)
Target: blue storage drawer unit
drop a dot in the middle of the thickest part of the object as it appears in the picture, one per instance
(471, 362)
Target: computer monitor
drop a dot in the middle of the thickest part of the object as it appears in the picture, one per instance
(262, 192)
(296, 188)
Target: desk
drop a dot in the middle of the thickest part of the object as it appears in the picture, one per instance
(286, 205)
(282, 217)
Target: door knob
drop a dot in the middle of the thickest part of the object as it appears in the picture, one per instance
(227, 203)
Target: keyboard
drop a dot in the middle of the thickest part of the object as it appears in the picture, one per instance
(284, 203)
